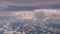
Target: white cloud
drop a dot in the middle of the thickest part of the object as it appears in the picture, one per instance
(15, 17)
(31, 14)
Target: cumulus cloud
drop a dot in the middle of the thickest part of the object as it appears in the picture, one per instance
(42, 14)
(43, 17)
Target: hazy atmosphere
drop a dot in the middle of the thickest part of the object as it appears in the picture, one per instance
(29, 16)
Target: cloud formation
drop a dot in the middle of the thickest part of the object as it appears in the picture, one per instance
(11, 21)
(30, 3)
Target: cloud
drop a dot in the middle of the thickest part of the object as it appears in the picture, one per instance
(17, 8)
(42, 14)
(27, 17)
(31, 3)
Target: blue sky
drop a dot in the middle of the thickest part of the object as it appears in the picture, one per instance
(17, 5)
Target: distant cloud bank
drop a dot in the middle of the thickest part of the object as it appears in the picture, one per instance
(5, 4)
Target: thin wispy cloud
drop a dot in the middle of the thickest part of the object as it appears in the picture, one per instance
(30, 3)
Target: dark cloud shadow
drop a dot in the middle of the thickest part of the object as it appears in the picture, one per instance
(17, 8)
(54, 6)
(29, 8)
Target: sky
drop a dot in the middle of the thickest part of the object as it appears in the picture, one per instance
(18, 5)
(12, 9)
(16, 11)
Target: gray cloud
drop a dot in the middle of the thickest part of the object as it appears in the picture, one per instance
(31, 3)
(17, 8)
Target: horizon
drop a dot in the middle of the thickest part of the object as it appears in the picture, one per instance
(29, 16)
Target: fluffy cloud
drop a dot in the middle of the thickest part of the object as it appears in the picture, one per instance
(43, 17)
(42, 14)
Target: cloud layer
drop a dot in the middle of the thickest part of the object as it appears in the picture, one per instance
(44, 19)
(30, 3)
